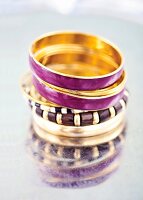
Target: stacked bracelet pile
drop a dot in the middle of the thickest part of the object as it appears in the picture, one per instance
(76, 91)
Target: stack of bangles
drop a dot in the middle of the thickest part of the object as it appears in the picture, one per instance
(76, 91)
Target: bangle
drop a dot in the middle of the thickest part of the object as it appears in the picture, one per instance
(91, 180)
(57, 152)
(110, 90)
(35, 99)
(55, 115)
(92, 45)
(31, 94)
(74, 101)
(85, 140)
(78, 131)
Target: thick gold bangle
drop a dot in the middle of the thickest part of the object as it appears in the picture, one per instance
(78, 131)
(82, 141)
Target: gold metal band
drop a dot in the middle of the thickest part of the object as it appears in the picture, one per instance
(79, 42)
(82, 141)
(78, 131)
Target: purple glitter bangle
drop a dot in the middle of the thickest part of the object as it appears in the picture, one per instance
(76, 102)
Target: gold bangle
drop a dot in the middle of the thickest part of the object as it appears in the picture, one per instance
(78, 131)
(83, 141)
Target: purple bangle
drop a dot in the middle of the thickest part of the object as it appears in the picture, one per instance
(90, 45)
(70, 82)
(76, 102)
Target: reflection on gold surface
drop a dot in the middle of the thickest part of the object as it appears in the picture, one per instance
(75, 166)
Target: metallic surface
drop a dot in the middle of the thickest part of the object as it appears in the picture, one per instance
(79, 131)
(76, 141)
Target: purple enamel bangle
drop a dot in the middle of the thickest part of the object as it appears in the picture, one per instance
(76, 102)
(90, 45)
(71, 82)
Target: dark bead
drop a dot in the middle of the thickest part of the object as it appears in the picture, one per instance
(70, 163)
(86, 118)
(37, 104)
(52, 117)
(39, 112)
(69, 110)
(29, 101)
(118, 108)
(86, 153)
(68, 152)
(42, 144)
(53, 149)
(116, 141)
(125, 98)
(104, 115)
(103, 149)
(58, 110)
(68, 119)
(30, 105)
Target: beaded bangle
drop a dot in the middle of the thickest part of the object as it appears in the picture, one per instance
(67, 116)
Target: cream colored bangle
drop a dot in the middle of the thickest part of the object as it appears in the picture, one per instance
(73, 131)
(78, 142)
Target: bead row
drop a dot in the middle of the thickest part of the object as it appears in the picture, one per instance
(68, 118)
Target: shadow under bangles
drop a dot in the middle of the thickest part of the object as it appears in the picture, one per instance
(77, 94)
